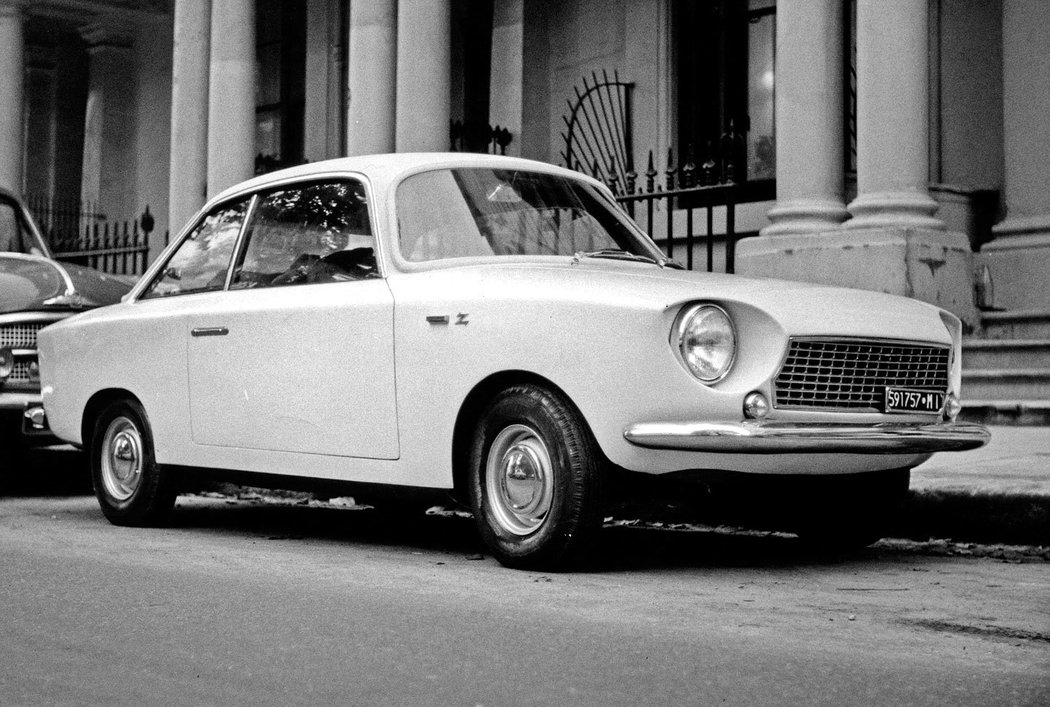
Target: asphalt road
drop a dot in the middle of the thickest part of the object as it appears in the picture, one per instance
(246, 602)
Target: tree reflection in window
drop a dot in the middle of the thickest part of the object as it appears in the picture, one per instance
(466, 213)
(293, 229)
(200, 263)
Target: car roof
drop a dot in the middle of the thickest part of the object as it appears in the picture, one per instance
(385, 168)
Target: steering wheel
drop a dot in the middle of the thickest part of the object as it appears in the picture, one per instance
(356, 263)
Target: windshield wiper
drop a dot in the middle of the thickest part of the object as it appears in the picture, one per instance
(616, 254)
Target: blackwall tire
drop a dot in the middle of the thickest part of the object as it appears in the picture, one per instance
(535, 480)
(131, 489)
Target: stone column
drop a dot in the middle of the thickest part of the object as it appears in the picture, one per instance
(423, 81)
(12, 89)
(507, 69)
(893, 116)
(107, 179)
(893, 243)
(1019, 257)
(231, 94)
(188, 166)
(809, 110)
(373, 49)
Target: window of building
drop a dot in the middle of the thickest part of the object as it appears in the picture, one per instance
(724, 61)
(280, 98)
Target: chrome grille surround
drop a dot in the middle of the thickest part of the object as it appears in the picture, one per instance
(18, 332)
(825, 373)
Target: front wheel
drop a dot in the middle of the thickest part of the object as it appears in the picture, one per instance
(130, 487)
(535, 479)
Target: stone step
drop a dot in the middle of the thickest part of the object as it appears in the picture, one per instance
(1007, 412)
(1019, 324)
(1006, 383)
(1006, 353)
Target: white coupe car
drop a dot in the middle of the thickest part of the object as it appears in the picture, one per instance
(498, 328)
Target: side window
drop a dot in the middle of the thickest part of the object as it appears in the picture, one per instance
(201, 261)
(307, 234)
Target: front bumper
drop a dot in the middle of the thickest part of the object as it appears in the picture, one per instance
(765, 437)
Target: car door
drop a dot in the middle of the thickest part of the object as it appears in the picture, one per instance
(297, 354)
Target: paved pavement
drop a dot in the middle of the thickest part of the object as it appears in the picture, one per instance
(1016, 461)
(999, 493)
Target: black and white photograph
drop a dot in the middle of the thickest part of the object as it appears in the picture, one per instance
(525, 352)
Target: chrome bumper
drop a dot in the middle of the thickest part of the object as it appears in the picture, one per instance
(795, 438)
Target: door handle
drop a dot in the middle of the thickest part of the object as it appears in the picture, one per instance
(210, 331)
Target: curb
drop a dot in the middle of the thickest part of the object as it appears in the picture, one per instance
(965, 515)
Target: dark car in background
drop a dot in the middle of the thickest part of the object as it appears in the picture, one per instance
(35, 290)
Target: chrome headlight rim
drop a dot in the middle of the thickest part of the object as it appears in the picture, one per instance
(681, 325)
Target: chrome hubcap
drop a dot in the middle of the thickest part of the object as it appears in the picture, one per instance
(519, 479)
(121, 459)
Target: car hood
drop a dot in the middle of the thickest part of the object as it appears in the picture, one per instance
(29, 283)
(800, 308)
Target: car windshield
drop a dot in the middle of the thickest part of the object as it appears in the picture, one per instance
(15, 236)
(463, 213)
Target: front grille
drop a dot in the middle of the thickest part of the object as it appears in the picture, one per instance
(851, 373)
(20, 336)
(19, 374)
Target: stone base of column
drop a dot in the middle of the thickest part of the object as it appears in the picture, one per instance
(805, 216)
(1019, 263)
(890, 209)
(931, 265)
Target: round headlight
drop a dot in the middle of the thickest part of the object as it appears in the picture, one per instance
(7, 363)
(706, 341)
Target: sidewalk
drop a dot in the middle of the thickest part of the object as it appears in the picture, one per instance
(999, 493)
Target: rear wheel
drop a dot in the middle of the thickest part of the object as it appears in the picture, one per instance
(535, 481)
(130, 487)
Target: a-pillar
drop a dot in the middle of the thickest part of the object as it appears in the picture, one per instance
(373, 43)
(423, 78)
(231, 94)
(107, 179)
(809, 145)
(1019, 257)
(12, 76)
(188, 167)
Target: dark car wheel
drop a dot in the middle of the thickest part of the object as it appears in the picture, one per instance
(130, 487)
(535, 482)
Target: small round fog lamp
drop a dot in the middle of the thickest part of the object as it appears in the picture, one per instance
(755, 406)
(7, 363)
(952, 406)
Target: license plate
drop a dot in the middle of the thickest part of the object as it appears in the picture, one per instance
(908, 400)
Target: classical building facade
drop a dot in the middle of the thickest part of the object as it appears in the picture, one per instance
(908, 138)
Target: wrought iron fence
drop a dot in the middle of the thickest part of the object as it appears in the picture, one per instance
(58, 218)
(598, 125)
(478, 137)
(112, 247)
(672, 212)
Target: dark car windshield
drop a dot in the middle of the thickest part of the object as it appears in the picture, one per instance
(15, 236)
(462, 213)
